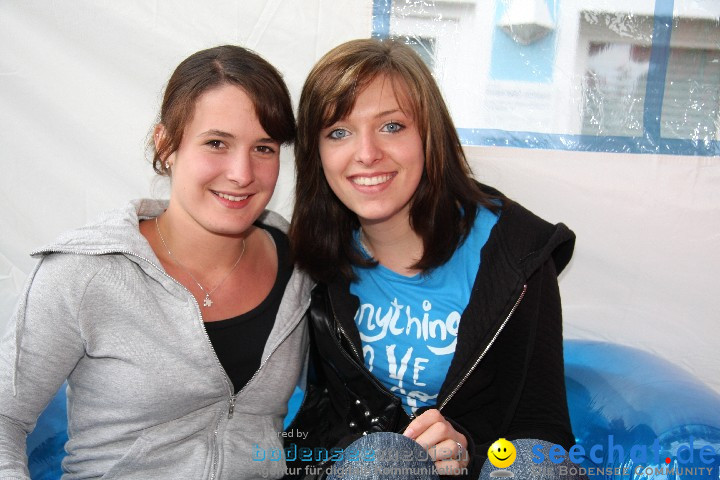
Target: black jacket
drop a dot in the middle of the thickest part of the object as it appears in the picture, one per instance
(506, 378)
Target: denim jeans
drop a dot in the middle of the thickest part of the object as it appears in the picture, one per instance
(384, 455)
(524, 468)
(394, 456)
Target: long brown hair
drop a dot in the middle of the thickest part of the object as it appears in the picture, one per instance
(211, 68)
(445, 203)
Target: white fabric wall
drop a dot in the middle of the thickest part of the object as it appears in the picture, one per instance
(644, 273)
(80, 88)
(80, 85)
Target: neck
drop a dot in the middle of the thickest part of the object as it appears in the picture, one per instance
(195, 247)
(394, 245)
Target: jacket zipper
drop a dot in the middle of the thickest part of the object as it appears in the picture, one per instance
(233, 397)
(372, 377)
(301, 309)
(342, 330)
(484, 352)
(231, 407)
(216, 449)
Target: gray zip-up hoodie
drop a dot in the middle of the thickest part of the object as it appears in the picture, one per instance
(147, 396)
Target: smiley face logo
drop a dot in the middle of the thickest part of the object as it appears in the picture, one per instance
(501, 453)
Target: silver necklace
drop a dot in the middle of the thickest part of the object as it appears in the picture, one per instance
(207, 302)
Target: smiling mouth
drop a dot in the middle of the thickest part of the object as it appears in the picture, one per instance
(501, 459)
(371, 181)
(232, 198)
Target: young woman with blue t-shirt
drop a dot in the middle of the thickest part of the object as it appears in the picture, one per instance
(437, 313)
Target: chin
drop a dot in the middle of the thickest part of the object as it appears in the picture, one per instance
(377, 216)
(232, 228)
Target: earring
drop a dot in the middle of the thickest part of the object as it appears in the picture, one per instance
(167, 165)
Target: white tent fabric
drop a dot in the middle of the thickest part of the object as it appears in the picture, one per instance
(646, 257)
(80, 85)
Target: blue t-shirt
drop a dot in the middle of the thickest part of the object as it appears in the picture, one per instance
(409, 325)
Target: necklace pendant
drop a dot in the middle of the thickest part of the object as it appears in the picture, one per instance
(207, 302)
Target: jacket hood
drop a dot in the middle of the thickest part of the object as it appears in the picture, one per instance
(116, 231)
(528, 240)
(531, 241)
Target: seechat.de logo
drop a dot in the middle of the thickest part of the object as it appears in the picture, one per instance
(502, 454)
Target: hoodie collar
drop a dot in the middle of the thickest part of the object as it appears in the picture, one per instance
(115, 231)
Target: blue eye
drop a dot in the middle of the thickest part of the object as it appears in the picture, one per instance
(392, 127)
(338, 133)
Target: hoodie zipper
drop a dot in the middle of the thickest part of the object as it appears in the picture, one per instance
(231, 406)
(484, 352)
(262, 364)
(233, 397)
(228, 383)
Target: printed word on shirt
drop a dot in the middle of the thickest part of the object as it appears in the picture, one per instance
(408, 348)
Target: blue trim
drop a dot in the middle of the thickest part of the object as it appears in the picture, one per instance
(587, 143)
(657, 70)
(381, 18)
(650, 143)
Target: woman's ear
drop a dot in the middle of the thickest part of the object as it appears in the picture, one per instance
(158, 135)
(159, 139)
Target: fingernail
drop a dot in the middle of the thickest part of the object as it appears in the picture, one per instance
(409, 432)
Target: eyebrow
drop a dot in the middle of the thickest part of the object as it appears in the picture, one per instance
(388, 112)
(380, 114)
(216, 133)
(219, 133)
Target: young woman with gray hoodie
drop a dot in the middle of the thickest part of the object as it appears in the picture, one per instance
(177, 324)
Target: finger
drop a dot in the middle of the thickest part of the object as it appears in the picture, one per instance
(438, 440)
(450, 467)
(450, 450)
(452, 458)
(422, 422)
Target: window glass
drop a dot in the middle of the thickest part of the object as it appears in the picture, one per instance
(595, 75)
(692, 84)
(614, 89)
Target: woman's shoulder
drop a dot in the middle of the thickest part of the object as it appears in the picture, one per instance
(529, 238)
(300, 282)
(66, 274)
(77, 255)
(273, 219)
(114, 231)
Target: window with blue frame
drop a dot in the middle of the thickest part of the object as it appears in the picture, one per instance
(596, 75)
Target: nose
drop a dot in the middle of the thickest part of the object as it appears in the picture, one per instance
(369, 150)
(240, 169)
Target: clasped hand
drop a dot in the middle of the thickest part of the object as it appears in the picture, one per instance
(446, 446)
